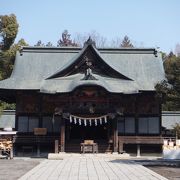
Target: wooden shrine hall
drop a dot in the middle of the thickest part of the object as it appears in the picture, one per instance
(69, 95)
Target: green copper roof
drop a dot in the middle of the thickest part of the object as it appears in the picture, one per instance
(34, 65)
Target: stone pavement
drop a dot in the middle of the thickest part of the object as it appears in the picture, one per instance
(90, 167)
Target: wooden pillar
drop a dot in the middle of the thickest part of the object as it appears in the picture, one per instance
(68, 131)
(136, 114)
(108, 131)
(40, 123)
(62, 138)
(160, 118)
(40, 110)
(16, 123)
(115, 136)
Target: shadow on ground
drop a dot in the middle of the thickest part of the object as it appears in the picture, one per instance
(167, 168)
(15, 168)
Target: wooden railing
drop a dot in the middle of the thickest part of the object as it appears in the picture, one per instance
(138, 140)
(141, 139)
(32, 139)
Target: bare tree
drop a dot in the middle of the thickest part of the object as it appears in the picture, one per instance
(101, 41)
(177, 50)
(80, 38)
(115, 42)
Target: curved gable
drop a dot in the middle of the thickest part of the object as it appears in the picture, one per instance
(88, 57)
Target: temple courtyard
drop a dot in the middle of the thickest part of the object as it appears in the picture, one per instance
(87, 166)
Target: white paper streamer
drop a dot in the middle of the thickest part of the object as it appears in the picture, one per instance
(85, 122)
(105, 119)
(75, 120)
(100, 121)
(90, 122)
(95, 122)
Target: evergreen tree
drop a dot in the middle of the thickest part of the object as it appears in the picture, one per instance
(49, 44)
(39, 43)
(176, 130)
(171, 87)
(8, 30)
(7, 58)
(126, 42)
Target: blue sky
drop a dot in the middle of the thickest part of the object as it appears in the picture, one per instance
(151, 23)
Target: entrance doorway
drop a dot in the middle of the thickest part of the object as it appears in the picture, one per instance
(88, 132)
(76, 134)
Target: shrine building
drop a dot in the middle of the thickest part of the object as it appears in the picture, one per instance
(71, 94)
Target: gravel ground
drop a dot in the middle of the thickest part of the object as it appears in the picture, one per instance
(171, 173)
(167, 168)
(13, 169)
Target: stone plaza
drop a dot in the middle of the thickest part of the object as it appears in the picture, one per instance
(90, 167)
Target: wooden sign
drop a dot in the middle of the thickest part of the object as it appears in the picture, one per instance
(40, 131)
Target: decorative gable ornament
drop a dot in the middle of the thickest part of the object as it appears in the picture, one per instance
(88, 75)
(90, 42)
